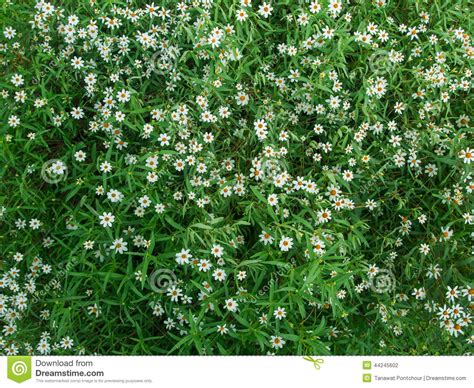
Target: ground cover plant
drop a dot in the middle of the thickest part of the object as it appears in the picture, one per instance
(236, 177)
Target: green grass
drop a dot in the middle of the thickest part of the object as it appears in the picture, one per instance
(379, 160)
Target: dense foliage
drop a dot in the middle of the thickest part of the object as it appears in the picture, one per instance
(236, 177)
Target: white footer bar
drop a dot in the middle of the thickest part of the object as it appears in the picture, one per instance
(243, 371)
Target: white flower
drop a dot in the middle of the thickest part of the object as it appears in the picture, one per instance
(123, 96)
(58, 167)
(13, 121)
(174, 293)
(80, 156)
(67, 343)
(446, 233)
(9, 33)
(242, 98)
(372, 271)
(241, 15)
(43, 347)
(231, 305)
(279, 313)
(419, 294)
(159, 208)
(266, 238)
(452, 293)
(272, 200)
(217, 251)
(77, 113)
(144, 201)
(467, 155)
(35, 224)
(265, 10)
(219, 274)
(106, 219)
(277, 342)
(77, 63)
(88, 245)
(17, 80)
(318, 247)
(204, 265)
(425, 249)
(347, 175)
(286, 243)
(183, 257)
(105, 167)
(114, 196)
(222, 329)
(119, 245)
(324, 216)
